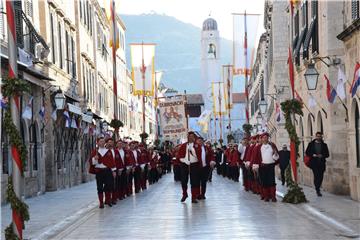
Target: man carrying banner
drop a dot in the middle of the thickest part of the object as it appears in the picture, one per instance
(144, 161)
(190, 167)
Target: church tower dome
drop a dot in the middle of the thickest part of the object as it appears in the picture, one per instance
(209, 25)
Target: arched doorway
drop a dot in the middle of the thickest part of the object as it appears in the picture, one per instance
(320, 125)
(310, 131)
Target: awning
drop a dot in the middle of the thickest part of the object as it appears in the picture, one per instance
(72, 98)
(87, 118)
(301, 40)
(74, 109)
(309, 35)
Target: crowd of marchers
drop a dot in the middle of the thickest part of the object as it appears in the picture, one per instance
(123, 168)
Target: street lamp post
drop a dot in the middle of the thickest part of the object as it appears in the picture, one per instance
(59, 100)
(263, 106)
(311, 76)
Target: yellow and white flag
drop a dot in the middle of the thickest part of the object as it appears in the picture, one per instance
(219, 103)
(142, 68)
(227, 78)
(203, 120)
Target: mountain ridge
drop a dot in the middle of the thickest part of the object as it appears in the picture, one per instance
(178, 49)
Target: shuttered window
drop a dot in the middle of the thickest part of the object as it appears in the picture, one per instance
(61, 64)
(355, 9)
(315, 17)
(19, 24)
(53, 40)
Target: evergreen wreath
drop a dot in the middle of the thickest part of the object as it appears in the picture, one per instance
(247, 128)
(295, 193)
(14, 87)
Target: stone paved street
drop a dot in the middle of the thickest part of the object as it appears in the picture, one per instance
(228, 213)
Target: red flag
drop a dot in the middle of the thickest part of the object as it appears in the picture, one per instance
(291, 72)
(293, 159)
(297, 96)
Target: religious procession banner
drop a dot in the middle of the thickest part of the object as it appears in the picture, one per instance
(245, 32)
(142, 68)
(219, 103)
(172, 118)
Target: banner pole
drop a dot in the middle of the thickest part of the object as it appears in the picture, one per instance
(143, 92)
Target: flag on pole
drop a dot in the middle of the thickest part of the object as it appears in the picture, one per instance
(291, 72)
(3, 102)
(54, 115)
(219, 104)
(245, 31)
(74, 123)
(67, 119)
(297, 96)
(228, 79)
(340, 89)
(330, 91)
(203, 120)
(42, 112)
(27, 113)
(277, 113)
(356, 82)
(142, 68)
(312, 102)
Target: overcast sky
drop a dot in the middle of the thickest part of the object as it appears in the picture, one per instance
(195, 11)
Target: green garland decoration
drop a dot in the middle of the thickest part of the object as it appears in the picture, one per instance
(230, 137)
(247, 128)
(14, 87)
(116, 124)
(15, 138)
(295, 193)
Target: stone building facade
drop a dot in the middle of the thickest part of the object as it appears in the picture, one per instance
(314, 29)
(350, 36)
(78, 64)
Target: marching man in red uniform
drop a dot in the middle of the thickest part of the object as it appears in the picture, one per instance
(144, 161)
(247, 163)
(103, 164)
(190, 166)
(255, 165)
(121, 180)
(130, 168)
(206, 158)
(269, 158)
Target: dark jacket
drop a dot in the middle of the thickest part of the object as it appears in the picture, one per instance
(316, 162)
(284, 158)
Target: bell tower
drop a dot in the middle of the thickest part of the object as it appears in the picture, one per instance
(210, 59)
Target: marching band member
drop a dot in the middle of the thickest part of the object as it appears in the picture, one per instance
(269, 157)
(130, 164)
(205, 157)
(121, 170)
(189, 168)
(103, 165)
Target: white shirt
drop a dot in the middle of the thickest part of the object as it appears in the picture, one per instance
(122, 154)
(268, 155)
(222, 158)
(102, 152)
(135, 156)
(190, 156)
(203, 156)
(243, 153)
